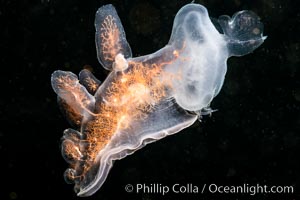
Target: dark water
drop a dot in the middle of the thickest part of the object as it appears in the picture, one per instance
(253, 138)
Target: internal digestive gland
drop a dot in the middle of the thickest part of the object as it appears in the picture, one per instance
(145, 98)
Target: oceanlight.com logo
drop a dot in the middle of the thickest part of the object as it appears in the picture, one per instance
(189, 188)
(250, 189)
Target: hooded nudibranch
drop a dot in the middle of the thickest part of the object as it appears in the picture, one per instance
(146, 98)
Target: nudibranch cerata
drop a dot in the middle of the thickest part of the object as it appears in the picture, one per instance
(146, 98)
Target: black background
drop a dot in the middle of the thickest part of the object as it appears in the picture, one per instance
(253, 138)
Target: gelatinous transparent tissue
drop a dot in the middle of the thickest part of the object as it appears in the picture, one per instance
(146, 98)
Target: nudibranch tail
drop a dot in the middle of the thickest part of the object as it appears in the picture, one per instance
(141, 131)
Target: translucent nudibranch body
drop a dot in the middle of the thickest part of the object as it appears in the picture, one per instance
(146, 98)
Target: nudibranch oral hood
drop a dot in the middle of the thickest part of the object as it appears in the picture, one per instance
(146, 98)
